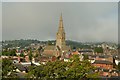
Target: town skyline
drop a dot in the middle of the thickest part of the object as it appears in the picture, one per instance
(82, 25)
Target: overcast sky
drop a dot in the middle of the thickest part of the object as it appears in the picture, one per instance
(83, 21)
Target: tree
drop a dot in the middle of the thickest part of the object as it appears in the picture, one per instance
(8, 69)
(98, 49)
(35, 72)
(9, 53)
(55, 69)
(0, 68)
(65, 70)
(49, 42)
(79, 69)
(22, 55)
(13, 52)
(85, 56)
(30, 56)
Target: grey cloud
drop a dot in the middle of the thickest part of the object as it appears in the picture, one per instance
(82, 21)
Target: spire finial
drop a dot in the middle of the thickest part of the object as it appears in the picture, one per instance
(61, 16)
(61, 22)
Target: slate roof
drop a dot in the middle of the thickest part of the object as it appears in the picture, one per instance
(20, 67)
(49, 50)
(102, 62)
(102, 56)
(49, 47)
(93, 56)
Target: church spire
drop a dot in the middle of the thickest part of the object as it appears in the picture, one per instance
(60, 41)
(61, 17)
(61, 28)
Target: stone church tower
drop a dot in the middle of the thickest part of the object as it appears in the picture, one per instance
(60, 48)
(60, 37)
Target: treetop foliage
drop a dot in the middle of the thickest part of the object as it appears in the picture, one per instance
(64, 70)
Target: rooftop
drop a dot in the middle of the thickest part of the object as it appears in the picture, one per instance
(102, 62)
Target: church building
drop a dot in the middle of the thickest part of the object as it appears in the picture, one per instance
(60, 47)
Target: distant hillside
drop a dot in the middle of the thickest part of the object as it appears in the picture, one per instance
(23, 43)
(75, 44)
